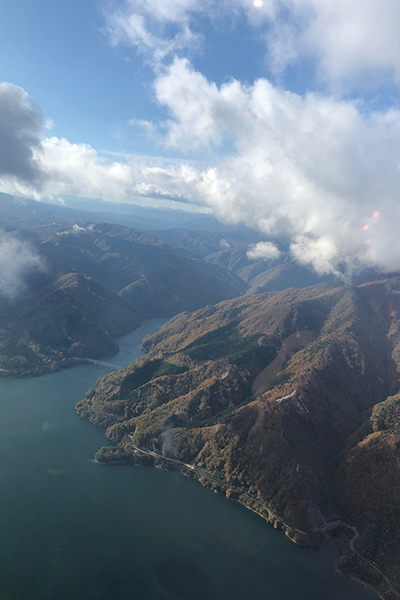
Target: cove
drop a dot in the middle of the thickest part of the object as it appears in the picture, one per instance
(71, 529)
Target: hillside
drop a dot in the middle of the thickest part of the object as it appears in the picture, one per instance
(266, 275)
(154, 279)
(96, 283)
(61, 322)
(286, 400)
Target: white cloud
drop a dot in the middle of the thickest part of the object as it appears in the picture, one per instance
(77, 230)
(311, 168)
(77, 169)
(224, 244)
(266, 250)
(17, 259)
(351, 43)
(158, 29)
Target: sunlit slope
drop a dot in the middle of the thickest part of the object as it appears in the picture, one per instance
(95, 283)
(273, 394)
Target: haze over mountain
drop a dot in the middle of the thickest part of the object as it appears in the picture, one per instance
(67, 291)
(26, 212)
(58, 272)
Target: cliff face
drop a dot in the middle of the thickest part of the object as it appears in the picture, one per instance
(289, 396)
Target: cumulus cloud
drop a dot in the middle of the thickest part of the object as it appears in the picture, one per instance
(315, 169)
(266, 250)
(21, 126)
(17, 259)
(352, 43)
(77, 169)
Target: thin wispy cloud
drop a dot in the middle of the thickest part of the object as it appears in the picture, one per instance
(350, 44)
(17, 260)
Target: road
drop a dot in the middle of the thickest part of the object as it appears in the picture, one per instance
(327, 527)
(209, 477)
(371, 564)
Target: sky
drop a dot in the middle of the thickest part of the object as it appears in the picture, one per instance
(280, 114)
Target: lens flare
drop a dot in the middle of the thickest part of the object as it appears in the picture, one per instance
(258, 3)
(366, 227)
(376, 215)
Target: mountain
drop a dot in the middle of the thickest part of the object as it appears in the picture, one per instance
(288, 401)
(24, 212)
(95, 283)
(61, 321)
(155, 280)
(147, 217)
(206, 243)
(265, 275)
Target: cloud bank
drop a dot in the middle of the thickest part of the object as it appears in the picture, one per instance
(311, 169)
(314, 169)
(17, 260)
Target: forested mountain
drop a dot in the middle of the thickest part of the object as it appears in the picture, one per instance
(96, 282)
(287, 399)
(265, 275)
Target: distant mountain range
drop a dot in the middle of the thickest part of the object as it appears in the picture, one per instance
(288, 400)
(98, 282)
(23, 212)
(94, 269)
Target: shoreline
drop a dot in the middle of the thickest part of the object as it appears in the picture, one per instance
(295, 535)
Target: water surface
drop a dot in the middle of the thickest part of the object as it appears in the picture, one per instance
(71, 529)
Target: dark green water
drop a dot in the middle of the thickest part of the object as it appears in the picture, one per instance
(71, 529)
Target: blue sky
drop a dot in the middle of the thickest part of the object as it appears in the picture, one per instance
(59, 52)
(282, 114)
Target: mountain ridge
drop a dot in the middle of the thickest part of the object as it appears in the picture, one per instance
(287, 437)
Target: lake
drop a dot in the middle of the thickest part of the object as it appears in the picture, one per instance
(72, 529)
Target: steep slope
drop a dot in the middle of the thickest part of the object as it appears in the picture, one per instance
(271, 396)
(61, 322)
(265, 275)
(155, 280)
(97, 282)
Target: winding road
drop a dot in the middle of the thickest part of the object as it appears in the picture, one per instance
(327, 527)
